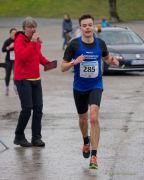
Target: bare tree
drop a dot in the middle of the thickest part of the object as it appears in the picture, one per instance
(113, 11)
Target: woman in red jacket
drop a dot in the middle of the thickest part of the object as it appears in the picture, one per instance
(28, 57)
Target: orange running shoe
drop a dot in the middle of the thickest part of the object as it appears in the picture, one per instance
(93, 163)
(86, 150)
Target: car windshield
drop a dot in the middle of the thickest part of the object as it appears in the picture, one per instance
(120, 37)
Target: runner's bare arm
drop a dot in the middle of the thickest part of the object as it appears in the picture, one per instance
(65, 65)
(109, 59)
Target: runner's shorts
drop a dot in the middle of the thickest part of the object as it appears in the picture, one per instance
(84, 99)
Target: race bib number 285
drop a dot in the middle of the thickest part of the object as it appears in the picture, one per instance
(89, 69)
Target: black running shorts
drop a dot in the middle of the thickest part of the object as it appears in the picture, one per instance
(84, 99)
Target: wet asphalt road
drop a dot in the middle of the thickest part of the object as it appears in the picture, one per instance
(121, 148)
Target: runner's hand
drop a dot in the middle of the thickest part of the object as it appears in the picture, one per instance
(79, 59)
(115, 61)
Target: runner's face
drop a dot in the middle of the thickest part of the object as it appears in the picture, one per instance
(29, 31)
(87, 27)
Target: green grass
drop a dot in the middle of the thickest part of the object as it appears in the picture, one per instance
(127, 9)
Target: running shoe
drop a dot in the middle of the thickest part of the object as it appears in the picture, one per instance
(86, 150)
(93, 163)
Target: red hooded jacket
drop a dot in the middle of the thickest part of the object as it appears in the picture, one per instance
(28, 58)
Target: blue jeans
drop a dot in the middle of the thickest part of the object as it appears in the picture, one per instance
(30, 95)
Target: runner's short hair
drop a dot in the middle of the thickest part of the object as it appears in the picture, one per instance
(29, 22)
(85, 16)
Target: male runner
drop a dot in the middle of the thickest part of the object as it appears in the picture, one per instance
(85, 54)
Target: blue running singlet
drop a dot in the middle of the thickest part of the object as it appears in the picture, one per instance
(88, 74)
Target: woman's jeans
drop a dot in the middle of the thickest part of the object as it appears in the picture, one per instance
(30, 95)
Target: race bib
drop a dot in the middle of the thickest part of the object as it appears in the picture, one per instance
(89, 69)
(12, 55)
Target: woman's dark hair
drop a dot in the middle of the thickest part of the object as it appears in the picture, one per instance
(85, 16)
(12, 29)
